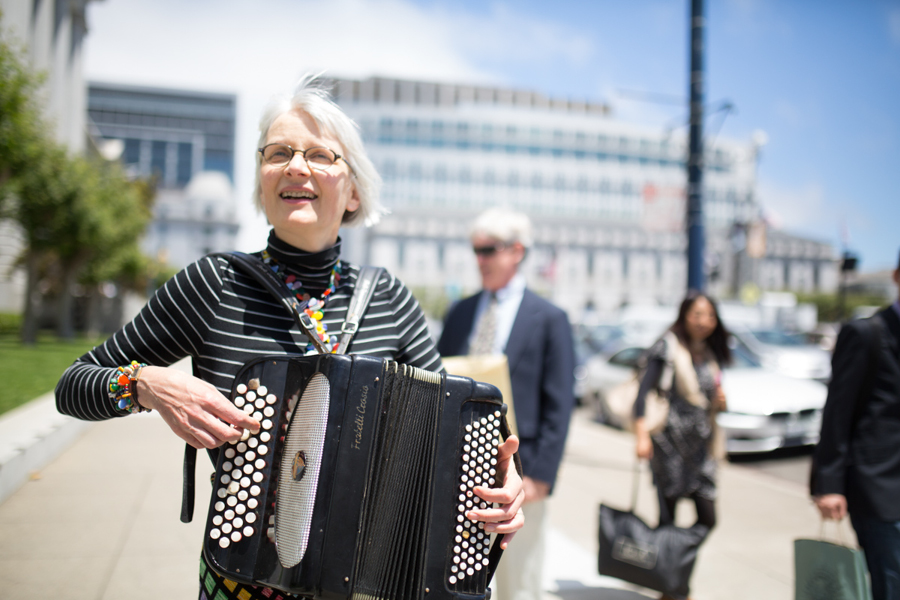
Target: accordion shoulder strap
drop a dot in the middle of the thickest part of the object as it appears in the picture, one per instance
(365, 288)
(252, 266)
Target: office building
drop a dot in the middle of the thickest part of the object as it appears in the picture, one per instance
(185, 141)
(607, 197)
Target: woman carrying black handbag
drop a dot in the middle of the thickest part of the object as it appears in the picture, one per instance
(681, 452)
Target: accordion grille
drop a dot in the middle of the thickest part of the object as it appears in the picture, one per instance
(396, 513)
(299, 473)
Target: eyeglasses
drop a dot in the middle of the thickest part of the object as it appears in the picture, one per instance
(318, 158)
(486, 251)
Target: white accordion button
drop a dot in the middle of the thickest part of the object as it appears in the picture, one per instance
(215, 533)
(236, 536)
(271, 399)
(245, 482)
(254, 490)
(220, 506)
(231, 501)
(260, 463)
(252, 503)
(242, 447)
(248, 408)
(251, 517)
(262, 390)
(238, 461)
(267, 424)
(265, 436)
(224, 542)
(240, 509)
(248, 531)
(241, 388)
(226, 528)
(239, 401)
(229, 453)
(251, 396)
(217, 520)
(238, 523)
(257, 477)
(253, 442)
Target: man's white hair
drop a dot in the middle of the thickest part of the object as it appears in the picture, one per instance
(313, 99)
(505, 225)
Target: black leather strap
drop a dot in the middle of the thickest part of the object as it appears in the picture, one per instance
(252, 266)
(365, 287)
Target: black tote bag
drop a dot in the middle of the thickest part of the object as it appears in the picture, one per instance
(660, 558)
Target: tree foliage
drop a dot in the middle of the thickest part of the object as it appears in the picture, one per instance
(81, 217)
(21, 127)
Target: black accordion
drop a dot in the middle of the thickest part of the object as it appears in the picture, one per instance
(359, 481)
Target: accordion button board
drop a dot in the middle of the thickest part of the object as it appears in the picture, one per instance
(360, 482)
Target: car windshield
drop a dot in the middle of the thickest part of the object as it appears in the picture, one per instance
(779, 338)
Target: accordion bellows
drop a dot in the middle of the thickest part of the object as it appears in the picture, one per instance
(358, 483)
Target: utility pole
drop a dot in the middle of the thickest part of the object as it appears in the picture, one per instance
(694, 221)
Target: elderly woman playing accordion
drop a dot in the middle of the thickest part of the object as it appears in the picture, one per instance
(313, 177)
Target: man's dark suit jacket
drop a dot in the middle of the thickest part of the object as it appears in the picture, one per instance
(541, 359)
(858, 454)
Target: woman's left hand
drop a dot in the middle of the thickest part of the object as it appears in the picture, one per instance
(507, 517)
(721, 403)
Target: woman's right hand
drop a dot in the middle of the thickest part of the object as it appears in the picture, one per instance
(195, 410)
(643, 443)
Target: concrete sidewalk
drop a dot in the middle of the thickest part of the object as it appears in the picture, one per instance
(101, 522)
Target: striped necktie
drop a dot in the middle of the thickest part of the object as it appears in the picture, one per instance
(486, 329)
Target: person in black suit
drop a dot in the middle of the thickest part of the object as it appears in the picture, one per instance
(506, 317)
(856, 465)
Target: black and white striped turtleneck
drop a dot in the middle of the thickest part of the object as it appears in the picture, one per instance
(223, 318)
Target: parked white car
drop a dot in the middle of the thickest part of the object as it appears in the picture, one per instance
(788, 353)
(767, 410)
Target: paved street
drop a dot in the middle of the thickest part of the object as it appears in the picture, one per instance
(101, 522)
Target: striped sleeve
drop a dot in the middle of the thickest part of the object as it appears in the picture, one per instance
(170, 327)
(417, 347)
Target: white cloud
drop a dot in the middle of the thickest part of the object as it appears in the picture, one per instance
(796, 208)
(894, 25)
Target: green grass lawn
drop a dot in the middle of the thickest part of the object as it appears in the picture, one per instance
(30, 371)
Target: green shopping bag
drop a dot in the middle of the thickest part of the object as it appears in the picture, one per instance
(827, 571)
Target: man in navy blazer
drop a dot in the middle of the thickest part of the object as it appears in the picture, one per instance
(856, 465)
(536, 338)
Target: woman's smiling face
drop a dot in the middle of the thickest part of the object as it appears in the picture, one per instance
(304, 206)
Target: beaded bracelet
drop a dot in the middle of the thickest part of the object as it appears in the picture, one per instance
(123, 387)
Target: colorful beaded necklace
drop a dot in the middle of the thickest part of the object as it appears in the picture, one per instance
(314, 307)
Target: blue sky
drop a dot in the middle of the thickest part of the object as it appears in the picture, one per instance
(821, 79)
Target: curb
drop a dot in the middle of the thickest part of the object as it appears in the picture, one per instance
(31, 436)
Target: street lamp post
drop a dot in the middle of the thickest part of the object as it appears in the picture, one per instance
(695, 229)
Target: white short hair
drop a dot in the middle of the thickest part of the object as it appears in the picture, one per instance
(313, 99)
(505, 225)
